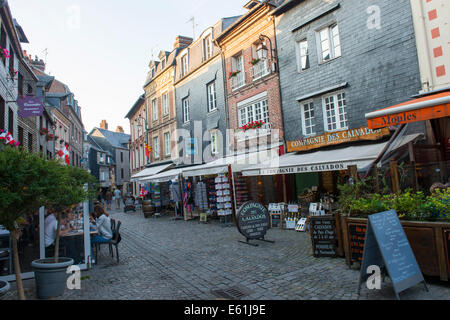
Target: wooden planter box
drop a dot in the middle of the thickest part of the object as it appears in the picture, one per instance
(430, 242)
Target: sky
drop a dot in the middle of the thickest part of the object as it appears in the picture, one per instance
(101, 48)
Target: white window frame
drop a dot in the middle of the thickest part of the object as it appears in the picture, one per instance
(186, 110)
(251, 111)
(340, 113)
(334, 46)
(211, 96)
(155, 109)
(207, 51)
(237, 63)
(156, 152)
(184, 64)
(165, 103)
(310, 104)
(301, 55)
(167, 144)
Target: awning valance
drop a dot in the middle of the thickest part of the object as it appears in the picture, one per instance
(238, 163)
(150, 171)
(327, 160)
(429, 107)
(163, 176)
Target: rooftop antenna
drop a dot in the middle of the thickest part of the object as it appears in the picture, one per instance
(193, 25)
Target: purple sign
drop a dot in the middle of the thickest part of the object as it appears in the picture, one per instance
(30, 106)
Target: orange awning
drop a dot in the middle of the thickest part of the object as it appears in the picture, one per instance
(425, 108)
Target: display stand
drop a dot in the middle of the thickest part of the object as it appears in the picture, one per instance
(223, 200)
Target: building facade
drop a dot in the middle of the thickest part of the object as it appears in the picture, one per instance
(252, 81)
(138, 125)
(200, 96)
(331, 75)
(160, 104)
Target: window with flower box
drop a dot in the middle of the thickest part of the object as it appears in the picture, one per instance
(257, 111)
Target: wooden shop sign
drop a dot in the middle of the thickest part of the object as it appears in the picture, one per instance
(334, 138)
(253, 220)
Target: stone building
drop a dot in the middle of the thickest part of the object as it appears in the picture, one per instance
(200, 96)
(160, 101)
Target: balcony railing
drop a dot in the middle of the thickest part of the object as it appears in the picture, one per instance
(260, 69)
(265, 130)
(238, 81)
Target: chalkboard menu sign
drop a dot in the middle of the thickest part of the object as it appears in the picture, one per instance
(388, 247)
(357, 235)
(275, 220)
(253, 220)
(323, 236)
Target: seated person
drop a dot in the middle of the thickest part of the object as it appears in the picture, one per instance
(50, 227)
(103, 223)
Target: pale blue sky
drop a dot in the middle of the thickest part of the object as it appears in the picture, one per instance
(104, 58)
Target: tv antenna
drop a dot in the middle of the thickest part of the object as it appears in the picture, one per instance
(193, 26)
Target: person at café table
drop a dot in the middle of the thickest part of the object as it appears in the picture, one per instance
(103, 223)
(50, 227)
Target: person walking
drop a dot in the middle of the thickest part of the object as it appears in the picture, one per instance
(117, 197)
(108, 198)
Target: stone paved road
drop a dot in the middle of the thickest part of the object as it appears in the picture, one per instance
(178, 260)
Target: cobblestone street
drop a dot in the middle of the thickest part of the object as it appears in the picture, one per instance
(166, 259)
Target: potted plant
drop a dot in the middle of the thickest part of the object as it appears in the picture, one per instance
(50, 273)
(255, 61)
(25, 182)
(253, 125)
(233, 74)
(43, 131)
(50, 137)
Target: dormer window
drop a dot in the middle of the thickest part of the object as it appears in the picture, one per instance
(153, 72)
(163, 63)
(184, 65)
(207, 47)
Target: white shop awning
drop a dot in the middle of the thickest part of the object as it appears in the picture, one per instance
(163, 176)
(328, 160)
(149, 172)
(238, 163)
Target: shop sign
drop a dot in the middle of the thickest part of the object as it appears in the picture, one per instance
(335, 166)
(253, 220)
(335, 138)
(30, 106)
(410, 116)
(323, 236)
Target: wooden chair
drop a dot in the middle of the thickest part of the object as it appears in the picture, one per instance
(115, 241)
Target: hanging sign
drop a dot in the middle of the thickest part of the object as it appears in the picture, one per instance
(387, 247)
(30, 106)
(253, 220)
(334, 138)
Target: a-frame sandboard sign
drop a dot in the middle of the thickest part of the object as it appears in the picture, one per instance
(387, 246)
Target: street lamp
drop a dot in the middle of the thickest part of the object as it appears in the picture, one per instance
(262, 49)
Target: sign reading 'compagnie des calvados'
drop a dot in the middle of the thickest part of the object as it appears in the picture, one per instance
(333, 138)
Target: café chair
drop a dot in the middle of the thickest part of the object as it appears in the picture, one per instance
(113, 228)
(115, 241)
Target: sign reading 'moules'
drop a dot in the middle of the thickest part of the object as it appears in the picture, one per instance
(253, 220)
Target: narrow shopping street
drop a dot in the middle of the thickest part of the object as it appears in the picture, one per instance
(163, 259)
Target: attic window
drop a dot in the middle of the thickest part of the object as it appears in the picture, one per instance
(163, 64)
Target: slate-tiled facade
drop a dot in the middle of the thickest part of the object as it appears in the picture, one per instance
(378, 67)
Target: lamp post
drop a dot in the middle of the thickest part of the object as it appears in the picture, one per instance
(262, 49)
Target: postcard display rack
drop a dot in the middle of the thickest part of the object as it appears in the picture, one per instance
(200, 196)
(212, 196)
(223, 199)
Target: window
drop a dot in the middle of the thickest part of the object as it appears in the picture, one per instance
(153, 72)
(11, 121)
(121, 173)
(11, 62)
(254, 112)
(184, 65)
(237, 64)
(30, 142)
(156, 148)
(335, 113)
(3, 42)
(121, 157)
(207, 47)
(214, 142)
(163, 63)
(154, 109)
(20, 129)
(211, 91)
(20, 84)
(167, 149)
(308, 118)
(304, 55)
(330, 44)
(186, 115)
(2, 114)
(165, 103)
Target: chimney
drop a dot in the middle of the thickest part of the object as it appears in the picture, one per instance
(104, 125)
(182, 42)
(38, 63)
(119, 129)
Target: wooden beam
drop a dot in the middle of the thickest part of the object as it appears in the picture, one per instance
(394, 175)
